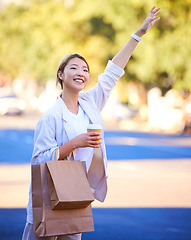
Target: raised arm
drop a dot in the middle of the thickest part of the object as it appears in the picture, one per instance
(122, 57)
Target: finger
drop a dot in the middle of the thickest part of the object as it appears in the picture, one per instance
(98, 146)
(95, 145)
(94, 134)
(156, 20)
(95, 138)
(154, 17)
(156, 14)
(95, 142)
(156, 10)
(151, 10)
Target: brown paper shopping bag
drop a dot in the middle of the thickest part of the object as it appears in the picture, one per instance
(48, 222)
(68, 184)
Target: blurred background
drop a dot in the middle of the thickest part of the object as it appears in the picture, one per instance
(154, 93)
(147, 118)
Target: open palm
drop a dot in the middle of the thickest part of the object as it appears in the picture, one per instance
(151, 19)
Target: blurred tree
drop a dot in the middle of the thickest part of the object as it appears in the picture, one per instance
(36, 35)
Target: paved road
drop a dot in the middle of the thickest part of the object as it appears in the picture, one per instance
(128, 223)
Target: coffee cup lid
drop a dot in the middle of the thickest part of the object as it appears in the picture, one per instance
(94, 126)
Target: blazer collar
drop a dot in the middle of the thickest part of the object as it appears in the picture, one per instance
(64, 109)
(67, 119)
(88, 110)
(86, 107)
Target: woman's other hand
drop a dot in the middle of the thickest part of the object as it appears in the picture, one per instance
(90, 139)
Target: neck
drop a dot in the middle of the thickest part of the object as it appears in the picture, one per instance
(71, 101)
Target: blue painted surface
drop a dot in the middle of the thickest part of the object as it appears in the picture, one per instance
(116, 224)
(16, 146)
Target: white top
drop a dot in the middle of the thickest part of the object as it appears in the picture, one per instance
(55, 127)
(80, 123)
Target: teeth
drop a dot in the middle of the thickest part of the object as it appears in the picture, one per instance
(78, 80)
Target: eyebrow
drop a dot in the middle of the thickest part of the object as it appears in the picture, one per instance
(77, 65)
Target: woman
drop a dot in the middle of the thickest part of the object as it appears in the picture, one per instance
(62, 130)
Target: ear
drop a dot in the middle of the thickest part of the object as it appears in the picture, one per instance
(60, 75)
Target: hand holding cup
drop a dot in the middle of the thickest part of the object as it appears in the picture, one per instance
(96, 130)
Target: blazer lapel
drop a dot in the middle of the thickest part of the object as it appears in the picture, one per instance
(88, 110)
(67, 120)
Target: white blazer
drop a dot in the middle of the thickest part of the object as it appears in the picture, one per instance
(54, 128)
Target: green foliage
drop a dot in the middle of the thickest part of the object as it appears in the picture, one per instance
(35, 36)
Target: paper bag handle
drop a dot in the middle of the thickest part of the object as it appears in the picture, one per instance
(66, 158)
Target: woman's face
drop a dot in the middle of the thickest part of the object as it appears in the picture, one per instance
(75, 75)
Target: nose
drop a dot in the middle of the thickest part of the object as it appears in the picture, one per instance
(80, 73)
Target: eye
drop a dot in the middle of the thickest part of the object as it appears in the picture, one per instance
(73, 68)
(85, 70)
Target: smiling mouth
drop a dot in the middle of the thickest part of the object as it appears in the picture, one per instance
(79, 80)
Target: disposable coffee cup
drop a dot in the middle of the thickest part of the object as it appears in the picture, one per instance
(94, 128)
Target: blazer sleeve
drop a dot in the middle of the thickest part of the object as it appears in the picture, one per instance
(45, 144)
(106, 82)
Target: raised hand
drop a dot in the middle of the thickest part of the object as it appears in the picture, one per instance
(150, 19)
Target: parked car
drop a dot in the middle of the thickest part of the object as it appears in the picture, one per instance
(11, 104)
